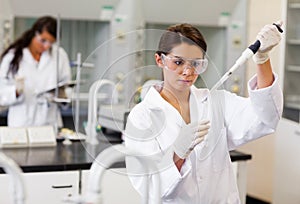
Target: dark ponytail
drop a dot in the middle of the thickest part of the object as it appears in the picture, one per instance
(46, 23)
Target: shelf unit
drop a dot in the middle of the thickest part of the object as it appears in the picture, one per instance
(292, 62)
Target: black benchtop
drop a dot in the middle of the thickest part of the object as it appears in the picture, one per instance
(78, 155)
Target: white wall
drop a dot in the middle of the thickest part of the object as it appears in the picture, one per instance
(198, 12)
(261, 167)
(75, 9)
(5, 8)
(186, 11)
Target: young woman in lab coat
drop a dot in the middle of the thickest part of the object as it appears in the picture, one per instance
(188, 132)
(28, 70)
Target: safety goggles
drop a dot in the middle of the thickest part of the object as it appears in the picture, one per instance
(43, 41)
(178, 64)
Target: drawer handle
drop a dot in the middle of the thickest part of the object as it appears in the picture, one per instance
(66, 186)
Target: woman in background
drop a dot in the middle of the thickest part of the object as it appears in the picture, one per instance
(28, 70)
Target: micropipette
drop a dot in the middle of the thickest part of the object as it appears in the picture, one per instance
(248, 53)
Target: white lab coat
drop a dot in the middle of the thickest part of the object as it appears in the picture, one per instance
(206, 176)
(32, 108)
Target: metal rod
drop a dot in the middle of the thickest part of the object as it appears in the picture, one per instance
(57, 71)
(77, 102)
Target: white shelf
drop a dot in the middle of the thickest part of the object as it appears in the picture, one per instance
(294, 5)
(293, 68)
(292, 105)
(85, 96)
(292, 65)
(294, 41)
(292, 101)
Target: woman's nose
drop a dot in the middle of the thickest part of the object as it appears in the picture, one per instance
(46, 46)
(188, 70)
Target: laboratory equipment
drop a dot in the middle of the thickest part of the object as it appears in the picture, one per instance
(125, 49)
(249, 52)
(110, 156)
(13, 137)
(14, 171)
(57, 69)
(77, 91)
(92, 122)
(113, 117)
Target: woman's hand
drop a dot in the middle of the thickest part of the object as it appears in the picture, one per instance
(189, 137)
(269, 37)
(19, 83)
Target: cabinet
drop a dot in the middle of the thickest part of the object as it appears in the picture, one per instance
(116, 187)
(292, 61)
(46, 187)
(287, 163)
(52, 187)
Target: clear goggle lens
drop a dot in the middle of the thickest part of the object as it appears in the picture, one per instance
(176, 63)
(43, 41)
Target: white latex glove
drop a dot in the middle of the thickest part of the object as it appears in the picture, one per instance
(19, 82)
(269, 37)
(189, 136)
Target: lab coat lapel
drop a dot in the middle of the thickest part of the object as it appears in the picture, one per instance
(166, 119)
(45, 60)
(156, 102)
(194, 108)
(27, 56)
(198, 107)
(48, 66)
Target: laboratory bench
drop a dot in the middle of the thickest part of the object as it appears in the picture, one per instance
(78, 155)
(63, 170)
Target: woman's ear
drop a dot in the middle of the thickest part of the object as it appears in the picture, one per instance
(158, 60)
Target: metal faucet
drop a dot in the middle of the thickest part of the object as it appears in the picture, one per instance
(91, 125)
(15, 173)
(104, 161)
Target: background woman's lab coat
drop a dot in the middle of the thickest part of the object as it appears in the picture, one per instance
(32, 108)
(207, 175)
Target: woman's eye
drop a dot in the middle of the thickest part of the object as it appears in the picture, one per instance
(196, 64)
(178, 62)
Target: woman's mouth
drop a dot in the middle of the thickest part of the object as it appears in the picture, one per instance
(185, 81)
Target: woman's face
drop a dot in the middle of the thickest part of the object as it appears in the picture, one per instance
(42, 41)
(177, 65)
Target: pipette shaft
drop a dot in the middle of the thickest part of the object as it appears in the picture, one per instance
(248, 53)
